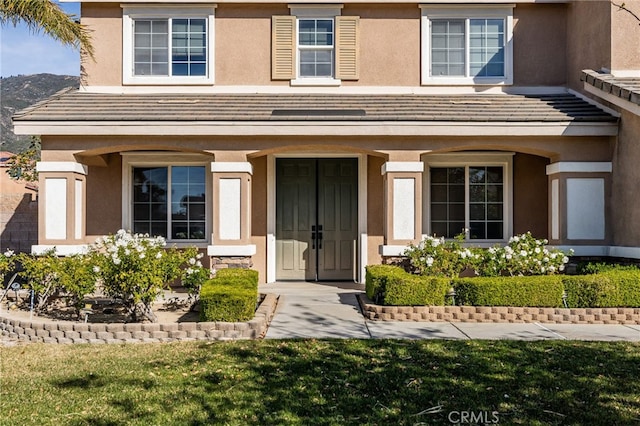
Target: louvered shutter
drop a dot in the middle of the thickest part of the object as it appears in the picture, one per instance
(347, 46)
(283, 47)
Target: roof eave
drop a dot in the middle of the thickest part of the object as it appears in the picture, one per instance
(316, 128)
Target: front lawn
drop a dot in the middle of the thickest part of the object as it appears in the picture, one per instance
(321, 382)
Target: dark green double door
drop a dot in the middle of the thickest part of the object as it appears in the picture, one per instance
(316, 218)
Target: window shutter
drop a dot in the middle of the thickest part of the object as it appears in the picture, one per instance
(283, 47)
(347, 46)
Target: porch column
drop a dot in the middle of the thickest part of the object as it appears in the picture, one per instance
(61, 207)
(403, 205)
(579, 194)
(231, 237)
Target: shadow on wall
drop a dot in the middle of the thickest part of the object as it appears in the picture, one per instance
(18, 221)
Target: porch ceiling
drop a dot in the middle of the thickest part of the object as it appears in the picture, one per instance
(81, 109)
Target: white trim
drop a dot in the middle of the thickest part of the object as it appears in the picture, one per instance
(579, 167)
(362, 218)
(402, 166)
(606, 251)
(387, 250)
(365, 90)
(316, 81)
(55, 208)
(625, 73)
(622, 103)
(166, 159)
(466, 12)
(271, 219)
(231, 167)
(314, 128)
(61, 167)
(218, 250)
(585, 204)
(78, 209)
(555, 209)
(315, 10)
(229, 208)
(468, 159)
(150, 11)
(403, 205)
(60, 250)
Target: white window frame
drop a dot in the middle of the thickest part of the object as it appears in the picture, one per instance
(131, 13)
(429, 13)
(466, 160)
(157, 159)
(315, 12)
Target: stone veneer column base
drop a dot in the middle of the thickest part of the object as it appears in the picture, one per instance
(224, 262)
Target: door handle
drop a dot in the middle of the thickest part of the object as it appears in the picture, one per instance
(313, 237)
(319, 237)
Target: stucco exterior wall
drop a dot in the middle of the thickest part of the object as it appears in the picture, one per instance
(105, 22)
(530, 199)
(375, 208)
(104, 198)
(625, 49)
(588, 38)
(536, 27)
(259, 215)
(625, 183)
(390, 40)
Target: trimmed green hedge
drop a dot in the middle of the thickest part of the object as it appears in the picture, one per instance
(392, 285)
(231, 296)
(237, 276)
(536, 291)
(613, 288)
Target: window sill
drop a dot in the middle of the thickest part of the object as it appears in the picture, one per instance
(464, 81)
(168, 81)
(316, 82)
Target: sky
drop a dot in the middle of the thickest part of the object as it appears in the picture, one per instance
(23, 52)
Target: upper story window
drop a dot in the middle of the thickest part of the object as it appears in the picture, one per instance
(168, 45)
(467, 45)
(315, 46)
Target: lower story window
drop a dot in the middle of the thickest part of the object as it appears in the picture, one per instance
(170, 201)
(468, 197)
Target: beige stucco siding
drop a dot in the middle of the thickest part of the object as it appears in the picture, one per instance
(625, 183)
(243, 44)
(104, 198)
(530, 199)
(375, 208)
(625, 49)
(105, 23)
(535, 29)
(390, 43)
(259, 215)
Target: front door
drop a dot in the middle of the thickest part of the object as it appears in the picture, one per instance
(316, 218)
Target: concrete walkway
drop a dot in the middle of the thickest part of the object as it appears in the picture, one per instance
(330, 310)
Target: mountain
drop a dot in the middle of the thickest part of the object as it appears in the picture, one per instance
(22, 91)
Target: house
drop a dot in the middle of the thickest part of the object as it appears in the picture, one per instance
(307, 140)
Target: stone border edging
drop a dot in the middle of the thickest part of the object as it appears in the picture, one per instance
(67, 332)
(498, 314)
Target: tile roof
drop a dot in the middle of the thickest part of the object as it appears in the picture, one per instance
(626, 88)
(76, 106)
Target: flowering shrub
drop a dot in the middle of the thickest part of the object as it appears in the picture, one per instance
(439, 257)
(136, 268)
(49, 275)
(523, 255)
(7, 262)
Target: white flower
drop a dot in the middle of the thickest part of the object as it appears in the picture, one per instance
(552, 268)
(116, 261)
(565, 259)
(429, 261)
(523, 253)
(508, 256)
(199, 264)
(537, 250)
(142, 255)
(158, 255)
(96, 269)
(8, 253)
(200, 256)
(561, 268)
(192, 261)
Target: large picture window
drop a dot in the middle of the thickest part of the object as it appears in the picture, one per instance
(467, 45)
(164, 45)
(315, 47)
(170, 201)
(471, 196)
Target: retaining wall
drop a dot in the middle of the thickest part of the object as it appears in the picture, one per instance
(67, 332)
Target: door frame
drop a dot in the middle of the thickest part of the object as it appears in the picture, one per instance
(361, 246)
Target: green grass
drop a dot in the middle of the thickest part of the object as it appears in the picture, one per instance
(320, 382)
